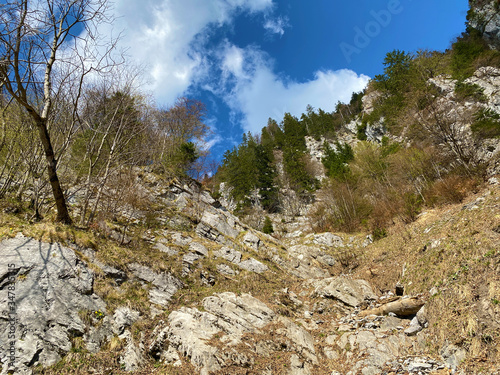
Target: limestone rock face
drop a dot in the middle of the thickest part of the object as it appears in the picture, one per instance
(351, 292)
(376, 131)
(124, 317)
(198, 248)
(132, 357)
(488, 78)
(234, 256)
(231, 255)
(301, 340)
(225, 197)
(369, 100)
(305, 261)
(240, 313)
(488, 21)
(216, 227)
(48, 288)
(253, 265)
(182, 192)
(326, 239)
(164, 284)
(251, 240)
(226, 314)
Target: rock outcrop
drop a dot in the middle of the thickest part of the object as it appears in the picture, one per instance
(164, 284)
(485, 17)
(219, 227)
(353, 293)
(226, 315)
(272, 305)
(47, 299)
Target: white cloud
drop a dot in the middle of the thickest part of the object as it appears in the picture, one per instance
(232, 61)
(208, 144)
(170, 37)
(276, 26)
(257, 93)
(167, 37)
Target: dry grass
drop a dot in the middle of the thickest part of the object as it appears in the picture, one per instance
(455, 249)
(452, 248)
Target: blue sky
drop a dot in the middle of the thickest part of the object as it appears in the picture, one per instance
(249, 60)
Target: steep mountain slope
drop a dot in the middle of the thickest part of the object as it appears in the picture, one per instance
(431, 119)
(381, 254)
(197, 291)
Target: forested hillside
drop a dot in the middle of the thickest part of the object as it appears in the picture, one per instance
(422, 134)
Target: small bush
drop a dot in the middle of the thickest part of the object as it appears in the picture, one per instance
(342, 208)
(465, 91)
(486, 124)
(488, 58)
(466, 50)
(335, 162)
(411, 207)
(268, 226)
(361, 131)
(379, 233)
(449, 190)
(388, 147)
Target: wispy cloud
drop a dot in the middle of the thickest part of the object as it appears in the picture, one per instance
(254, 92)
(208, 144)
(171, 38)
(168, 37)
(277, 25)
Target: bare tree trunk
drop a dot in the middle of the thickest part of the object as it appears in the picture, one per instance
(402, 307)
(57, 191)
(32, 37)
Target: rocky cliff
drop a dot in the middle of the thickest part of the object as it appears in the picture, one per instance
(485, 17)
(198, 291)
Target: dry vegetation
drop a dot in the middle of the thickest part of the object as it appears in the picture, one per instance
(454, 249)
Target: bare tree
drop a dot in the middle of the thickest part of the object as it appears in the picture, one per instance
(174, 129)
(42, 55)
(446, 123)
(113, 124)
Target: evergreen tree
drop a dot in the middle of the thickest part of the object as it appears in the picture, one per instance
(268, 226)
(265, 179)
(248, 167)
(319, 123)
(335, 162)
(294, 150)
(275, 134)
(395, 78)
(294, 133)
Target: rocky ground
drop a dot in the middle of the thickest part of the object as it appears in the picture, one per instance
(198, 291)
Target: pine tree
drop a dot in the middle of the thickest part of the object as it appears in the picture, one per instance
(294, 150)
(335, 162)
(268, 226)
(248, 167)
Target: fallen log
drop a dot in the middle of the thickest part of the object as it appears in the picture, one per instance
(402, 307)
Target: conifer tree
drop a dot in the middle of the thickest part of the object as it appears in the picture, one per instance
(268, 226)
(335, 161)
(294, 149)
